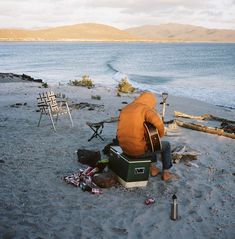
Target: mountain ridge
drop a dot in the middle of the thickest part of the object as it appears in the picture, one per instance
(182, 32)
(170, 32)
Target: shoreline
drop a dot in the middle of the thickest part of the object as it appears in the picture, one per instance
(13, 77)
(118, 41)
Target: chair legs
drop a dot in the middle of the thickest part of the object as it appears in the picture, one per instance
(52, 121)
(51, 115)
(69, 114)
(96, 129)
(40, 119)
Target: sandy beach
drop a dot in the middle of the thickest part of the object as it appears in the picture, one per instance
(36, 203)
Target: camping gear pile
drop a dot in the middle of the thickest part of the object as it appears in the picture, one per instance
(92, 178)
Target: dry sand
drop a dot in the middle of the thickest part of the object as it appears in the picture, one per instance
(36, 203)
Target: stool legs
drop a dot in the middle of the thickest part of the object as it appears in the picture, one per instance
(96, 133)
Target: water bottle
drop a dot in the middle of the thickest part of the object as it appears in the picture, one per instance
(174, 208)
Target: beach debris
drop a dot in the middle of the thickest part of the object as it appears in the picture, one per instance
(73, 179)
(96, 191)
(96, 97)
(17, 105)
(83, 179)
(124, 102)
(172, 126)
(202, 117)
(189, 164)
(185, 152)
(205, 129)
(228, 127)
(120, 231)
(194, 164)
(87, 105)
(172, 130)
(124, 86)
(149, 201)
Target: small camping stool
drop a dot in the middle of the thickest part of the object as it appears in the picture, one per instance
(97, 129)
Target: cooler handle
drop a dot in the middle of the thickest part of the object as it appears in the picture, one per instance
(139, 170)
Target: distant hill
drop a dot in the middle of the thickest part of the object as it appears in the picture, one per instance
(99, 32)
(82, 32)
(180, 32)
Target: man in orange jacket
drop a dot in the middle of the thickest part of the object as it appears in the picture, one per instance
(131, 133)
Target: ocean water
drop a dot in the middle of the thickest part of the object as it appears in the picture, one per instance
(202, 71)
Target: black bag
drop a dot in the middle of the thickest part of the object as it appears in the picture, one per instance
(106, 149)
(88, 157)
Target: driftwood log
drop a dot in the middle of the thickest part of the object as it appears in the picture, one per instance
(111, 119)
(202, 117)
(184, 152)
(204, 128)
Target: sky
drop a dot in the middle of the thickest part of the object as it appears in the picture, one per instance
(34, 14)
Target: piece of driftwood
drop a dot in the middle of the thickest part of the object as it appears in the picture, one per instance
(202, 117)
(204, 128)
(89, 106)
(111, 119)
(183, 152)
(227, 127)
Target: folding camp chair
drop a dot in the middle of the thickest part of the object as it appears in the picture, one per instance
(48, 105)
(97, 128)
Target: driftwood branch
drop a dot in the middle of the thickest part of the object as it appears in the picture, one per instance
(110, 120)
(202, 117)
(183, 152)
(183, 115)
(204, 128)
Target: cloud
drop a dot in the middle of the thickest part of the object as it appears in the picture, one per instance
(140, 6)
(201, 12)
(122, 14)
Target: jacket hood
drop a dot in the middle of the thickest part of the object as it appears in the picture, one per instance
(147, 98)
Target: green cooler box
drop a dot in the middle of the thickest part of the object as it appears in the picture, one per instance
(130, 172)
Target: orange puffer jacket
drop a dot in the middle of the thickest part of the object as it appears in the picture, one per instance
(131, 131)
